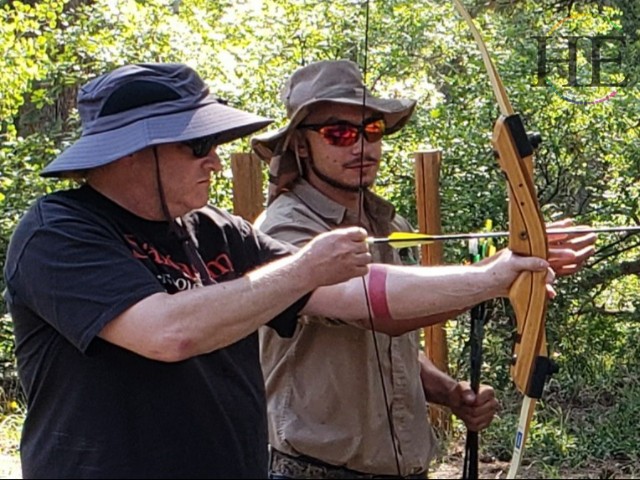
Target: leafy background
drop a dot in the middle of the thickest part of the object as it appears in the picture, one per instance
(587, 167)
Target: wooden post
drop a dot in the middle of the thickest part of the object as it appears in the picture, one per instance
(427, 173)
(248, 199)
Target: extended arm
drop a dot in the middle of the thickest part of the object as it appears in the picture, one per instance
(175, 327)
(415, 294)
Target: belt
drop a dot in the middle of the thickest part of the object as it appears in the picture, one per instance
(307, 467)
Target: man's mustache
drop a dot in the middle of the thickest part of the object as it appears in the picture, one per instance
(362, 161)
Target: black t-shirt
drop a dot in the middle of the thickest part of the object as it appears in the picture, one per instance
(95, 410)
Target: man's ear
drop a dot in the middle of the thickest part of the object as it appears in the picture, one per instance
(300, 144)
(301, 152)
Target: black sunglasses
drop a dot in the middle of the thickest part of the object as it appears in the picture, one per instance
(345, 134)
(201, 146)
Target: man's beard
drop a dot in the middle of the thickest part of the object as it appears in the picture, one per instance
(337, 183)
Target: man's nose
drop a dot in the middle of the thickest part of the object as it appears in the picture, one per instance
(213, 160)
(359, 145)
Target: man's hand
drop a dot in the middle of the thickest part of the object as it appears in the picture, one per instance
(336, 256)
(476, 411)
(505, 266)
(568, 252)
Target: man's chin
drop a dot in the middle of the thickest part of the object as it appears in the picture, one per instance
(364, 185)
(354, 185)
(199, 203)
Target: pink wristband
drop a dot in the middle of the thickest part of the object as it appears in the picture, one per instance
(378, 292)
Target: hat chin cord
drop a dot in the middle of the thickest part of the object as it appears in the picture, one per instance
(296, 155)
(177, 227)
(161, 194)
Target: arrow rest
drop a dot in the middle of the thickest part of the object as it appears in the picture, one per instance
(535, 139)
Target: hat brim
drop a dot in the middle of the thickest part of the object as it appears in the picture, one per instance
(91, 151)
(396, 113)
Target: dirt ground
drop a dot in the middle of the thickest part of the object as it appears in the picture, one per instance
(451, 465)
(498, 470)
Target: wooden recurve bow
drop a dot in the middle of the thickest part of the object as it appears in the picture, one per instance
(527, 236)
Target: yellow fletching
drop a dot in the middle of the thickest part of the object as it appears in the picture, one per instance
(407, 243)
(408, 239)
(403, 239)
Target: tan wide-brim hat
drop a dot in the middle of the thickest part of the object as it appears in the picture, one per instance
(335, 81)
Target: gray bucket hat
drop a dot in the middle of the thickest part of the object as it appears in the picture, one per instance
(336, 81)
(140, 105)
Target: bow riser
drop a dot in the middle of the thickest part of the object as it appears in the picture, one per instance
(527, 237)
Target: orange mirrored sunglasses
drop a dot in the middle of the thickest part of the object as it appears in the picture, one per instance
(345, 134)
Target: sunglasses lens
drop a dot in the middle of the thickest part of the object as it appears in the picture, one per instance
(340, 135)
(374, 131)
(201, 146)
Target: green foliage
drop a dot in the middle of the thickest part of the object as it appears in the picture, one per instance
(587, 166)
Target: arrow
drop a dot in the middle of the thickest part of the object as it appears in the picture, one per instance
(411, 239)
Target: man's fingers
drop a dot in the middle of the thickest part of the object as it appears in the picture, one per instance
(575, 240)
(551, 276)
(567, 261)
(564, 223)
(534, 264)
(479, 417)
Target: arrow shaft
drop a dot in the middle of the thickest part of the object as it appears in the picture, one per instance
(426, 238)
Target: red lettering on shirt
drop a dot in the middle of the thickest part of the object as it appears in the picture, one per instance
(217, 267)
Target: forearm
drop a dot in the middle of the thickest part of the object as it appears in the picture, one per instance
(174, 327)
(416, 296)
(436, 290)
(437, 385)
(394, 328)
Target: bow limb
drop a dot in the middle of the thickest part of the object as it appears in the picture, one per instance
(527, 237)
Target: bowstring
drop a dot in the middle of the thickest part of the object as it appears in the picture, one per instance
(361, 191)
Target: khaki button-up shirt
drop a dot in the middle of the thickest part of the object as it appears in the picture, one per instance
(324, 394)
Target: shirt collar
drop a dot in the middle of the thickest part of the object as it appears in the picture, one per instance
(375, 206)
